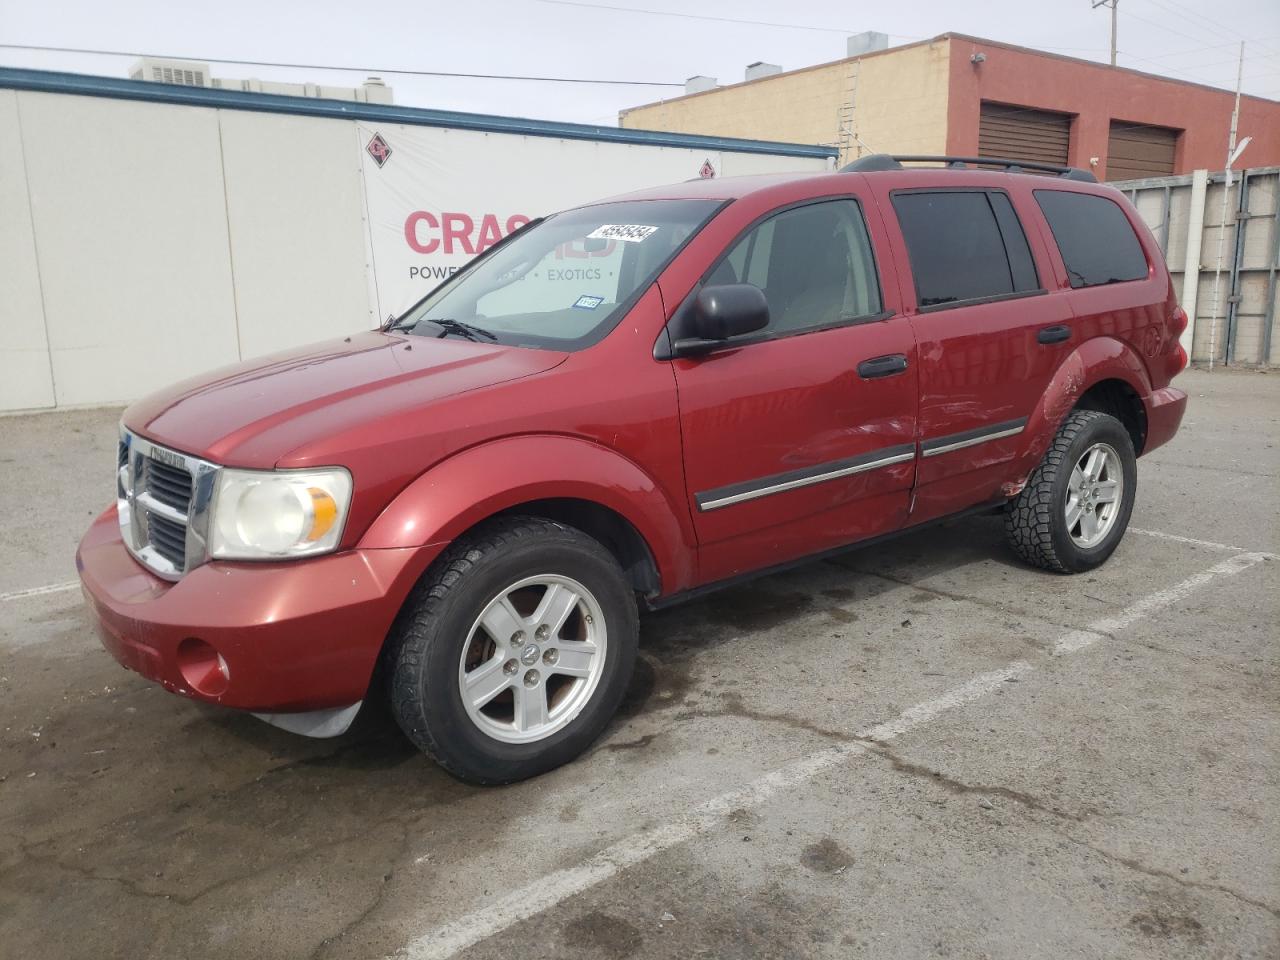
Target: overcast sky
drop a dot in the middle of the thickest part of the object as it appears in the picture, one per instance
(1180, 38)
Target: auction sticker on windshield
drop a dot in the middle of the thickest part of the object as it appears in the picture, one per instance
(627, 232)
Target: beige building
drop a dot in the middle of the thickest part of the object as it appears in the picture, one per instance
(966, 96)
(893, 101)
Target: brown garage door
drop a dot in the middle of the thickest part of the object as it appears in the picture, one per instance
(1020, 133)
(1136, 150)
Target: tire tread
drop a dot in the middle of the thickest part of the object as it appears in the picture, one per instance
(409, 684)
(1029, 519)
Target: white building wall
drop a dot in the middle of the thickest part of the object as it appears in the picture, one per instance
(142, 243)
(131, 234)
(25, 379)
(294, 206)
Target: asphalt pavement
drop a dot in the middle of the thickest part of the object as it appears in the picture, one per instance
(921, 749)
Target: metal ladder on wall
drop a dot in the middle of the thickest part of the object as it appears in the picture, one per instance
(847, 142)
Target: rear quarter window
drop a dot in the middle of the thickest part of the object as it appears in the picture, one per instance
(1095, 238)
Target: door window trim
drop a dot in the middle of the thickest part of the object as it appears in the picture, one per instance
(1004, 241)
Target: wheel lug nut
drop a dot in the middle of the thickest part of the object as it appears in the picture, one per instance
(542, 631)
(517, 638)
(510, 668)
(531, 678)
(549, 657)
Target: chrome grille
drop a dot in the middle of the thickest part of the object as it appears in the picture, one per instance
(169, 539)
(170, 485)
(163, 501)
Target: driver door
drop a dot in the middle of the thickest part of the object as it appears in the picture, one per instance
(802, 437)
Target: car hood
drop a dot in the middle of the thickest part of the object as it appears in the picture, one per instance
(254, 414)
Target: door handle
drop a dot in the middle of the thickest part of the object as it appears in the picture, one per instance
(885, 366)
(1053, 334)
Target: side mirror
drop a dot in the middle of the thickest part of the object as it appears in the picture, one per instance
(720, 313)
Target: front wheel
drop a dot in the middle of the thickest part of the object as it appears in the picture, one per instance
(514, 652)
(1074, 510)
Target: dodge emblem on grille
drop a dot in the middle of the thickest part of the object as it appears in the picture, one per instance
(169, 457)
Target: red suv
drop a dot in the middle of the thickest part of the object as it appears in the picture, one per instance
(621, 406)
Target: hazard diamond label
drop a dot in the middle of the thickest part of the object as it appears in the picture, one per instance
(379, 150)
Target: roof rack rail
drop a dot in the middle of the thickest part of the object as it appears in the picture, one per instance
(883, 161)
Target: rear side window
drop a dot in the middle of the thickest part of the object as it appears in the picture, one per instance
(1096, 240)
(965, 246)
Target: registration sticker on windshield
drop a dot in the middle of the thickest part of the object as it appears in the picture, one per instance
(587, 303)
(626, 232)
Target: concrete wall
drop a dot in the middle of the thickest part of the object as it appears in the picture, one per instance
(899, 99)
(1239, 326)
(1097, 94)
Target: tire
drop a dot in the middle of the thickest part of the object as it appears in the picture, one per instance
(1036, 521)
(444, 640)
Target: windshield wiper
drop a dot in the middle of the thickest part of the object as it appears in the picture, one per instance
(465, 330)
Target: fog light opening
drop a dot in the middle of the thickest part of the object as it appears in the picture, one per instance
(203, 667)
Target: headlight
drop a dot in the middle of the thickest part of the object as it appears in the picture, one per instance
(263, 514)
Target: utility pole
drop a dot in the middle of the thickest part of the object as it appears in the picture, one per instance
(1226, 191)
(1112, 4)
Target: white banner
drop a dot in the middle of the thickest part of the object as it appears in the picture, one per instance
(436, 197)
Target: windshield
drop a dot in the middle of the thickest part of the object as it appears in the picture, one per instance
(564, 282)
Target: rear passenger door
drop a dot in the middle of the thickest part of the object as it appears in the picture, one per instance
(990, 337)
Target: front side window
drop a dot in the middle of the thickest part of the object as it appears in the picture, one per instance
(1095, 238)
(814, 264)
(564, 282)
(964, 245)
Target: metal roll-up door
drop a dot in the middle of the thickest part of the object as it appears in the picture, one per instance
(1020, 133)
(1137, 150)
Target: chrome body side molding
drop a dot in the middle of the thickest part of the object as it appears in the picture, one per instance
(971, 438)
(794, 479)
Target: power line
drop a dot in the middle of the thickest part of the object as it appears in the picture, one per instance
(699, 16)
(321, 66)
(1199, 20)
(756, 23)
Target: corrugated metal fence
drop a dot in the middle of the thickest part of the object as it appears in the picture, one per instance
(1222, 245)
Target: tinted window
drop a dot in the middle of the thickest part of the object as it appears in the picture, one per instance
(1021, 266)
(957, 244)
(1097, 242)
(813, 263)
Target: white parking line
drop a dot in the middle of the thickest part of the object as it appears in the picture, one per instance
(1211, 544)
(545, 892)
(38, 591)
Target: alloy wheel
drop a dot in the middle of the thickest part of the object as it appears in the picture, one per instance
(533, 658)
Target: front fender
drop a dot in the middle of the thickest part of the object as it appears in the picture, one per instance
(481, 481)
(1102, 358)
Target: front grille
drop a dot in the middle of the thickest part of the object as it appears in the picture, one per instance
(163, 501)
(169, 539)
(170, 485)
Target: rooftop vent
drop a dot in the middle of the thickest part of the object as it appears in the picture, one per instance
(699, 84)
(869, 41)
(760, 69)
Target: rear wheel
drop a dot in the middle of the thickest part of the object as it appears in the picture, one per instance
(1074, 510)
(514, 652)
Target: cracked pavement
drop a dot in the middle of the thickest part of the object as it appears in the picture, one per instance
(1122, 801)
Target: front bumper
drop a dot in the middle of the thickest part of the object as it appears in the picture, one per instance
(287, 637)
(1165, 408)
